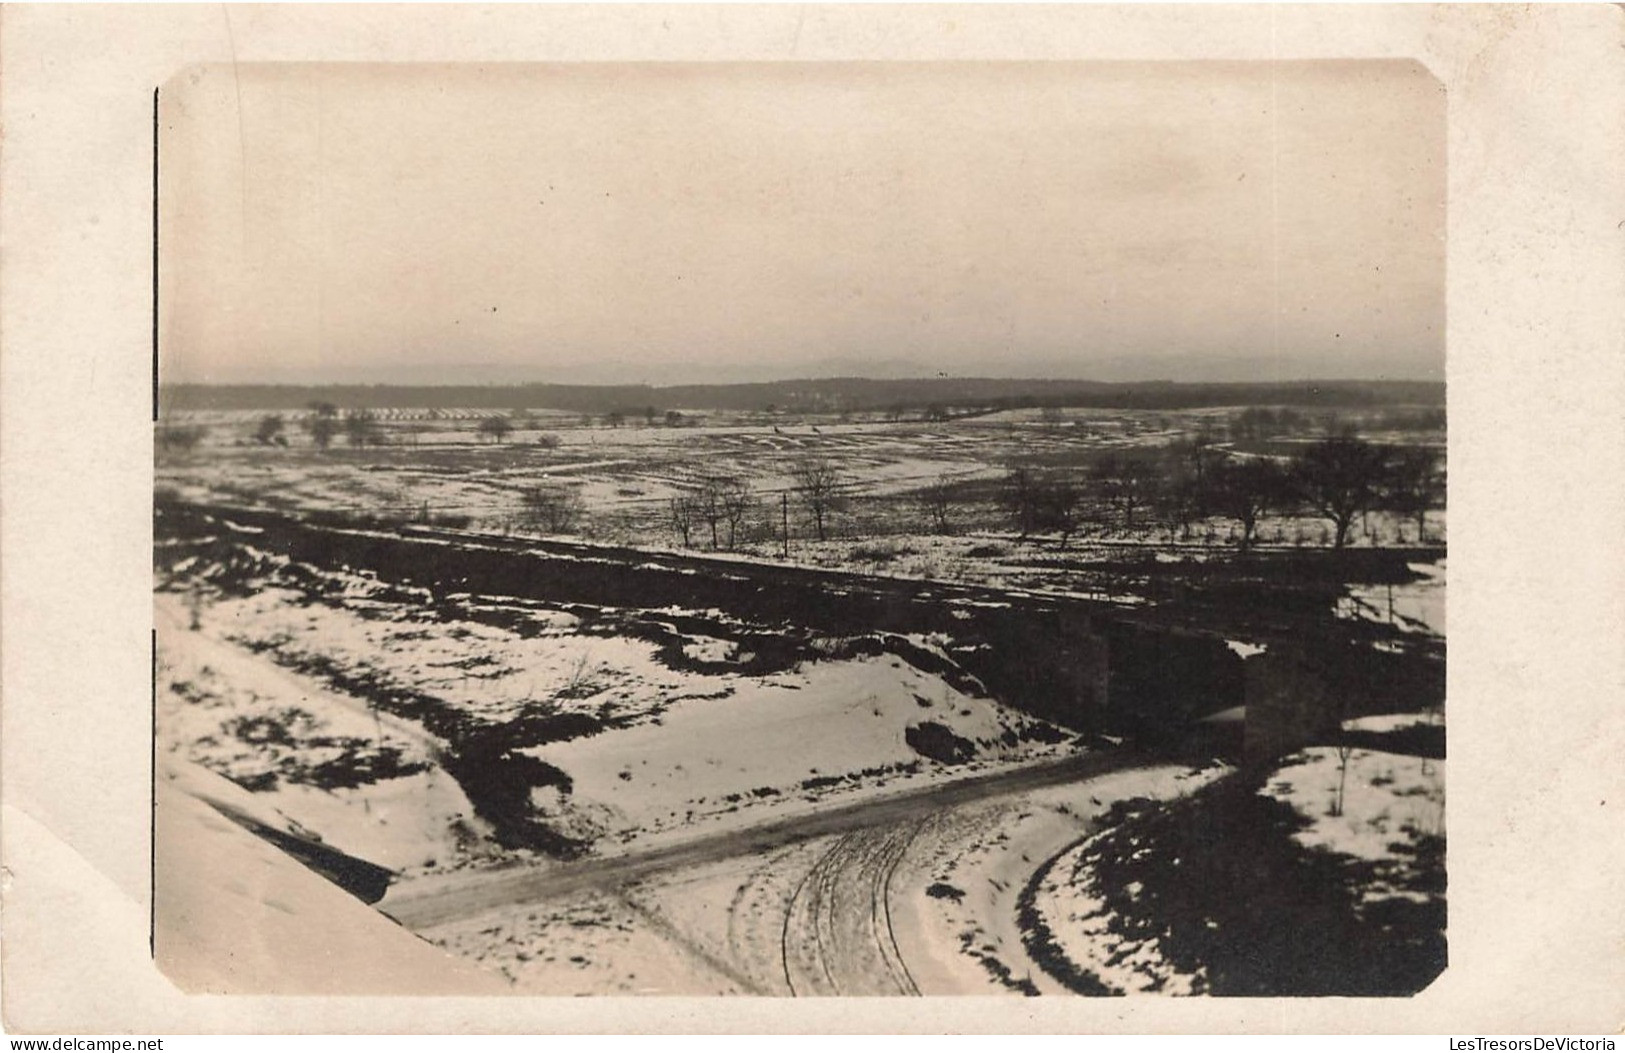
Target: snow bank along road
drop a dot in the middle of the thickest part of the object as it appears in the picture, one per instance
(433, 902)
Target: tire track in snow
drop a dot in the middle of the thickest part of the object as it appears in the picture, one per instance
(882, 892)
(837, 935)
(806, 921)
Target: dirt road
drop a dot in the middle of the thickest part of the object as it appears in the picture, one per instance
(429, 903)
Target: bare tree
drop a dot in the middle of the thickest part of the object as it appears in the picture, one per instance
(708, 507)
(1340, 478)
(1198, 456)
(1415, 485)
(1181, 500)
(1343, 753)
(737, 502)
(938, 499)
(817, 484)
(1020, 498)
(495, 428)
(1245, 489)
(1129, 483)
(680, 514)
(1185, 492)
(1043, 501)
(551, 509)
(269, 430)
(322, 431)
(361, 428)
(322, 423)
(1058, 504)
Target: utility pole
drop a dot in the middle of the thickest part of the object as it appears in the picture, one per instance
(784, 515)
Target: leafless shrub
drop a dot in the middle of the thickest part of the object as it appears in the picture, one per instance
(938, 500)
(180, 437)
(551, 509)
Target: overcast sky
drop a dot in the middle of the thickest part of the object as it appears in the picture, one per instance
(666, 223)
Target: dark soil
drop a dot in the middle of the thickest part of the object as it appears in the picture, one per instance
(1224, 888)
(938, 742)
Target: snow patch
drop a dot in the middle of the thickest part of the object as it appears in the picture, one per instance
(1363, 810)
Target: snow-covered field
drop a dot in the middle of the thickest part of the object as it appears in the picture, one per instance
(676, 748)
(454, 738)
(1369, 806)
(627, 476)
(269, 730)
(292, 691)
(355, 706)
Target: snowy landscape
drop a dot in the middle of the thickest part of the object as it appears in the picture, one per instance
(612, 755)
(800, 528)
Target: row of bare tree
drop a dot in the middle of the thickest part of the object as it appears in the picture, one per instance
(1339, 478)
(718, 510)
(722, 505)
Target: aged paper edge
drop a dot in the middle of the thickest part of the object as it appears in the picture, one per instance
(1535, 388)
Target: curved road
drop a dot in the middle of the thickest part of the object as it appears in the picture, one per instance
(429, 903)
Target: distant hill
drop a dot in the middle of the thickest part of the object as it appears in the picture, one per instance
(836, 394)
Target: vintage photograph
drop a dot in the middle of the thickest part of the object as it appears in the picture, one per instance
(801, 528)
